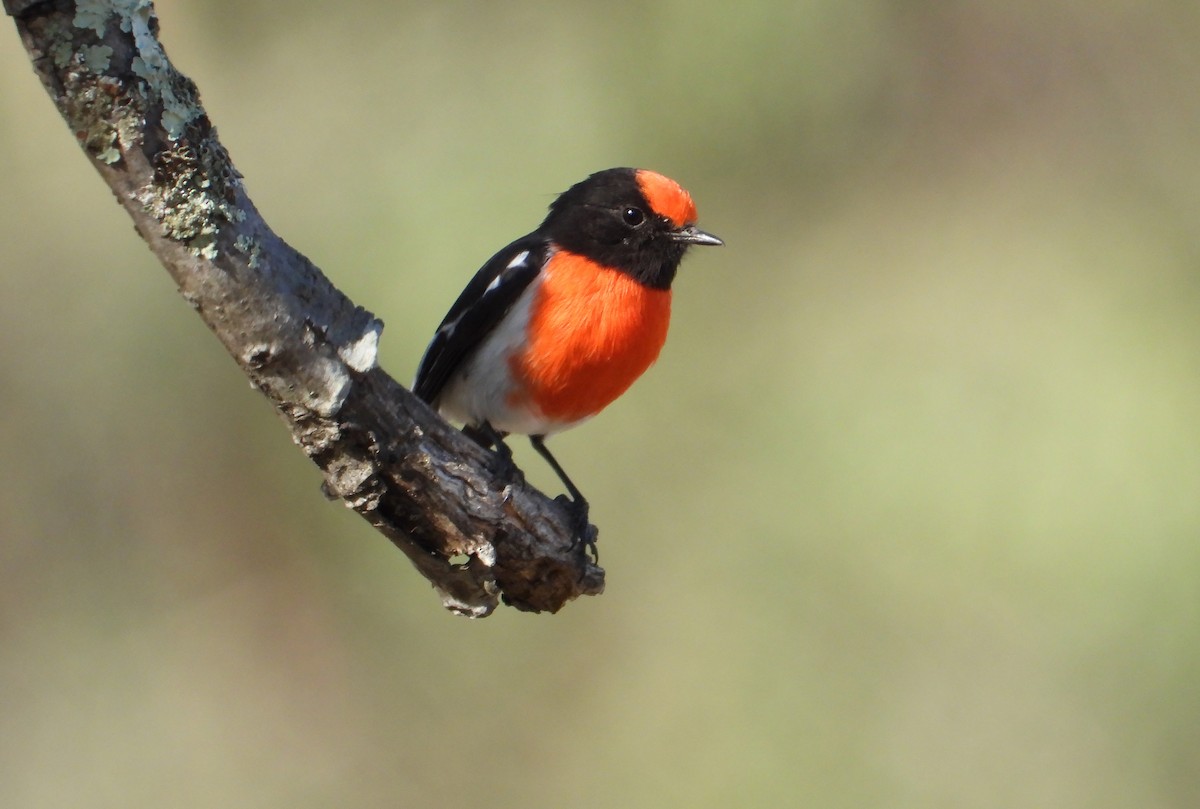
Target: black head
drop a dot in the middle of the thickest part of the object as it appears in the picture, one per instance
(634, 220)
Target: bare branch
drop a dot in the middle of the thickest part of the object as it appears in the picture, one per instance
(306, 346)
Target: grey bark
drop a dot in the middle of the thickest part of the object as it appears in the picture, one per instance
(479, 539)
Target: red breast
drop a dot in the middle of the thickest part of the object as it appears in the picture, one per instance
(592, 332)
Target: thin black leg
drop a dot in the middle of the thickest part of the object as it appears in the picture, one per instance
(488, 437)
(539, 443)
(584, 535)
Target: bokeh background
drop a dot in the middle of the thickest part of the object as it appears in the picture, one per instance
(907, 515)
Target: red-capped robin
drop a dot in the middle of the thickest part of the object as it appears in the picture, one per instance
(561, 322)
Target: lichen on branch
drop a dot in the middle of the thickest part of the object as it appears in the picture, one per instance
(479, 539)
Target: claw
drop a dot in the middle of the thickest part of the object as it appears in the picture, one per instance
(583, 533)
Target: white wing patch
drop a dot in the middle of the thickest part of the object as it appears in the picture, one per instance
(518, 260)
(490, 307)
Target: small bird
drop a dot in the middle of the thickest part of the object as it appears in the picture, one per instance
(561, 322)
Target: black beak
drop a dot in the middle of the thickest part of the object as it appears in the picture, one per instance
(694, 235)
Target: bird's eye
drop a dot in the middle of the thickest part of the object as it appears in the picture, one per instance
(633, 216)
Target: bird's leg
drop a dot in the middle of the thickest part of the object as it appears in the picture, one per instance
(488, 437)
(585, 534)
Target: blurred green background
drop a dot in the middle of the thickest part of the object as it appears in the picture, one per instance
(907, 515)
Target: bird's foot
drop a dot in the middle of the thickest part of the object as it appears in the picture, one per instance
(583, 533)
(490, 438)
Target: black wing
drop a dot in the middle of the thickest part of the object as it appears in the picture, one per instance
(486, 299)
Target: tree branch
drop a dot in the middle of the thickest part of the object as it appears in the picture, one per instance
(312, 352)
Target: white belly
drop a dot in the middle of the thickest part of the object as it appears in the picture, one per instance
(490, 394)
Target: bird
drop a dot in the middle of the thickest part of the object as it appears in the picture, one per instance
(558, 324)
